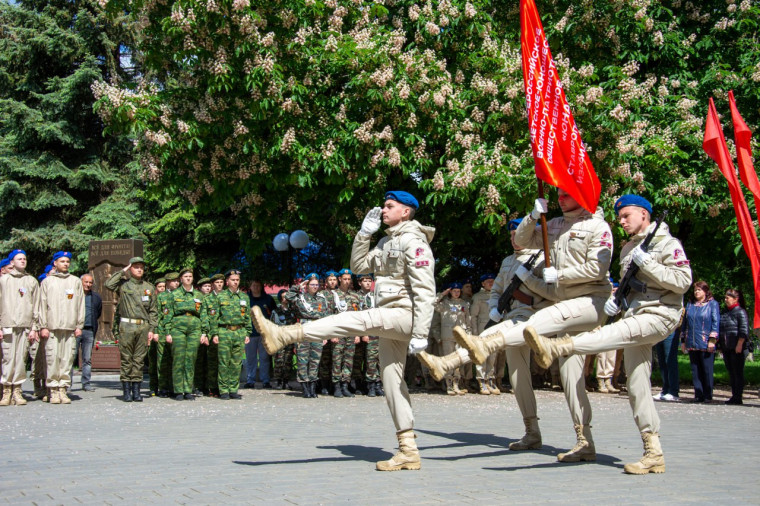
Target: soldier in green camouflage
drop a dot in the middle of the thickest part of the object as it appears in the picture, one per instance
(164, 349)
(212, 359)
(138, 318)
(372, 356)
(283, 359)
(230, 328)
(346, 299)
(309, 305)
(153, 347)
(325, 363)
(201, 359)
(183, 331)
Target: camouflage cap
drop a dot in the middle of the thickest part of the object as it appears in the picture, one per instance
(204, 281)
(172, 276)
(185, 270)
(218, 276)
(137, 260)
(160, 280)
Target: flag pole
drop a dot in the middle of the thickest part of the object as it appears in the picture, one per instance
(544, 229)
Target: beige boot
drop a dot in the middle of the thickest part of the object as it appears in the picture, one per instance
(17, 397)
(546, 350)
(53, 395)
(653, 461)
(450, 386)
(478, 348)
(275, 337)
(584, 450)
(602, 386)
(455, 387)
(64, 398)
(492, 388)
(532, 438)
(463, 386)
(440, 366)
(610, 388)
(7, 391)
(484, 390)
(408, 456)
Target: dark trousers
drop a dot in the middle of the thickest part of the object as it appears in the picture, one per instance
(667, 357)
(85, 343)
(702, 374)
(735, 365)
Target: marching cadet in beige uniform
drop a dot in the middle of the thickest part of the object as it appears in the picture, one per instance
(479, 314)
(650, 318)
(19, 294)
(404, 292)
(454, 311)
(581, 252)
(61, 312)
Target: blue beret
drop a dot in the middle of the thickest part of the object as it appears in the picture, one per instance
(345, 271)
(48, 268)
(488, 275)
(15, 252)
(632, 200)
(455, 284)
(330, 273)
(41, 277)
(4, 263)
(514, 223)
(312, 275)
(362, 276)
(62, 254)
(402, 197)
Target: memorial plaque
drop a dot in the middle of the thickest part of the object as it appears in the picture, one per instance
(107, 257)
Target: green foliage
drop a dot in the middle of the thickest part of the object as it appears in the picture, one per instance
(271, 116)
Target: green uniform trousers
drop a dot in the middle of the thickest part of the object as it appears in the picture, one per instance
(231, 350)
(325, 364)
(133, 346)
(283, 363)
(186, 337)
(372, 368)
(342, 359)
(308, 356)
(164, 361)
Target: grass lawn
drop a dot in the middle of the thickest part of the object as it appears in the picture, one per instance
(751, 371)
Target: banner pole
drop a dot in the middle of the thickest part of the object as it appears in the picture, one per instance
(544, 229)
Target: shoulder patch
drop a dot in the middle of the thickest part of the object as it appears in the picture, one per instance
(680, 257)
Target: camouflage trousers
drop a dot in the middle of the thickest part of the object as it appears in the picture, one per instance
(325, 363)
(372, 360)
(308, 356)
(283, 364)
(186, 336)
(164, 364)
(212, 369)
(231, 349)
(342, 359)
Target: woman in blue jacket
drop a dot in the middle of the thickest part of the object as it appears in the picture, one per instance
(699, 335)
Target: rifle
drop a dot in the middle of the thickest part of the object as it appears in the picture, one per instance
(506, 298)
(630, 281)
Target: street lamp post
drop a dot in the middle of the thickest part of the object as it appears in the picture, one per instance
(297, 241)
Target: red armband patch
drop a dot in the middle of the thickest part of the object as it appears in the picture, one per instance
(421, 263)
(606, 240)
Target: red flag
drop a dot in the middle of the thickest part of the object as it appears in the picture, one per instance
(742, 137)
(715, 146)
(558, 151)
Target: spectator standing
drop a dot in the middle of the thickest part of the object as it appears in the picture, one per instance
(699, 335)
(93, 307)
(734, 336)
(667, 358)
(256, 358)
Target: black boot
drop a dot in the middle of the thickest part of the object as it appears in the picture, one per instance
(371, 390)
(324, 389)
(314, 390)
(136, 391)
(306, 388)
(344, 388)
(379, 389)
(127, 391)
(361, 387)
(337, 391)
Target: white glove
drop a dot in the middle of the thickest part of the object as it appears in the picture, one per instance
(417, 344)
(551, 275)
(640, 257)
(372, 221)
(495, 315)
(539, 207)
(522, 273)
(610, 308)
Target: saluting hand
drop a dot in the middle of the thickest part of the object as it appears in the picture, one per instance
(372, 221)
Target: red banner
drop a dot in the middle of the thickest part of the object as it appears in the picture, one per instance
(715, 146)
(558, 152)
(742, 137)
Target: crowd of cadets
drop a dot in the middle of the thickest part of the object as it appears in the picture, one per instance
(192, 334)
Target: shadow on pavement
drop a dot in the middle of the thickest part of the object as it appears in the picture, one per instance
(350, 452)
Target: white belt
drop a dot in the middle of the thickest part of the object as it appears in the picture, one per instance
(132, 320)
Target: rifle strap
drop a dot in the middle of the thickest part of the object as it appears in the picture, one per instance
(523, 297)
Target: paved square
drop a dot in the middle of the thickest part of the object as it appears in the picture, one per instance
(276, 447)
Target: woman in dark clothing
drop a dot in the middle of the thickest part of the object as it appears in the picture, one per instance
(734, 335)
(699, 335)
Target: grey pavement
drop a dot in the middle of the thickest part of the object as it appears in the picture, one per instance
(275, 447)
